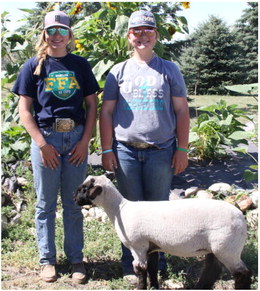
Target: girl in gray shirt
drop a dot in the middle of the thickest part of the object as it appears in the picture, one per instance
(144, 122)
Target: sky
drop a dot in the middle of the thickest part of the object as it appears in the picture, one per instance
(199, 11)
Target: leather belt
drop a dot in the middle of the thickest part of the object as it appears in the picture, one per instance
(64, 124)
(140, 145)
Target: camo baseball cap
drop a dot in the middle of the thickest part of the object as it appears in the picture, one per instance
(56, 18)
(142, 18)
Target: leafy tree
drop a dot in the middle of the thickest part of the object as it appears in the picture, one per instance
(246, 35)
(210, 62)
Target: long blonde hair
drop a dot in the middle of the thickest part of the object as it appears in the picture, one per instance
(41, 49)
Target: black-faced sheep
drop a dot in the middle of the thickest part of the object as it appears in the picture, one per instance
(184, 228)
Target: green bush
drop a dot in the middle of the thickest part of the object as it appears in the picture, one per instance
(218, 129)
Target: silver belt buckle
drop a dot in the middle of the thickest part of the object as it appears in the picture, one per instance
(64, 124)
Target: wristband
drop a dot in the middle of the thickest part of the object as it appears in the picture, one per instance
(107, 151)
(183, 150)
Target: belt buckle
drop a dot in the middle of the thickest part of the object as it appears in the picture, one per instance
(64, 124)
(140, 145)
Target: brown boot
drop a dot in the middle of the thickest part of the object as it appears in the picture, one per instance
(48, 273)
(78, 273)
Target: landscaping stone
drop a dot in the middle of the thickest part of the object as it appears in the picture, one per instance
(204, 194)
(223, 188)
(191, 191)
(254, 196)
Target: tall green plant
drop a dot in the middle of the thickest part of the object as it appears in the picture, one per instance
(102, 36)
(217, 129)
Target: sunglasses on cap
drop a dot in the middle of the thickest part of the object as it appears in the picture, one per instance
(61, 31)
(138, 31)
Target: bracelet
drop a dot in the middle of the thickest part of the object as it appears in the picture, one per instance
(183, 150)
(107, 151)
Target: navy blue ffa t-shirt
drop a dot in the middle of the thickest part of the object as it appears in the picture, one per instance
(60, 90)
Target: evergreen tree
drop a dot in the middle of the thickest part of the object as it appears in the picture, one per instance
(246, 34)
(210, 62)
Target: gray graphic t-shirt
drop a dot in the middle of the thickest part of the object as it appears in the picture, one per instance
(144, 108)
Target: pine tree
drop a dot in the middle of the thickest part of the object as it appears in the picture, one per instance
(246, 34)
(210, 62)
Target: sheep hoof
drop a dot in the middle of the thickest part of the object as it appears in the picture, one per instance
(242, 279)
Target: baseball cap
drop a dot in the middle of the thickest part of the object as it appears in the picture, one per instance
(56, 18)
(142, 18)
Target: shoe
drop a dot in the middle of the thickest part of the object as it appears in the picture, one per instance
(48, 273)
(78, 273)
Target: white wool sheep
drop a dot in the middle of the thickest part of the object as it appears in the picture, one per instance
(185, 228)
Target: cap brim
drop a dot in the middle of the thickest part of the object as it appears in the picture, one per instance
(57, 24)
(138, 25)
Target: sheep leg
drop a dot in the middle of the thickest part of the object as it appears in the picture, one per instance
(242, 275)
(141, 274)
(140, 265)
(210, 273)
(152, 268)
(242, 279)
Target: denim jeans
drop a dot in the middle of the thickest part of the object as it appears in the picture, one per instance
(48, 183)
(143, 175)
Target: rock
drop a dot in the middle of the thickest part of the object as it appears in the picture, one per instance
(232, 200)
(85, 212)
(191, 191)
(174, 195)
(13, 185)
(252, 219)
(171, 285)
(220, 188)
(16, 219)
(254, 196)
(3, 199)
(20, 205)
(96, 212)
(203, 194)
(22, 181)
(244, 203)
(4, 222)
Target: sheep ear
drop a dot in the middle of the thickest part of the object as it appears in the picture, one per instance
(110, 175)
(94, 192)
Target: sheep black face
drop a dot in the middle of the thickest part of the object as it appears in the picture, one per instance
(87, 192)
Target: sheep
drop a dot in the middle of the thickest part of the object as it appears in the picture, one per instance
(184, 228)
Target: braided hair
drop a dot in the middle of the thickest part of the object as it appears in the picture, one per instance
(41, 48)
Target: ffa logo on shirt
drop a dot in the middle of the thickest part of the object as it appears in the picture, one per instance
(62, 84)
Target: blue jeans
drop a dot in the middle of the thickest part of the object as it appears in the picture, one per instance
(48, 183)
(143, 175)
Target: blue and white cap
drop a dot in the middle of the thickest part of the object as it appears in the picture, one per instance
(142, 18)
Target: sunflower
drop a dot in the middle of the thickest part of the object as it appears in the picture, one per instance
(186, 5)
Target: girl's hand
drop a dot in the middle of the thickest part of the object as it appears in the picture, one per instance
(179, 161)
(78, 153)
(49, 156)
(109, 161)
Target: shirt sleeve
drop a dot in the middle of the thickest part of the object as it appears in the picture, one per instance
(26, 82)
(177, 83)
(111, 89)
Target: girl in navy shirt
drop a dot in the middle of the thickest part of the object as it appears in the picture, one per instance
(56, 85)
